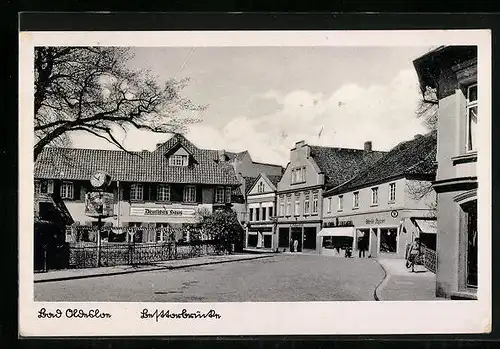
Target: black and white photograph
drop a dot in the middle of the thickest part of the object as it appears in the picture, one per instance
(193, 174)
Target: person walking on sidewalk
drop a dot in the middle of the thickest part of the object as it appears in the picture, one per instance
(362, 247)
(414, 254)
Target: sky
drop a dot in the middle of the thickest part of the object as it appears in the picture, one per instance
(264, 99)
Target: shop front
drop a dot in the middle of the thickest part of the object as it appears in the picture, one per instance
(299, 237)
(337, 241)
(382, 234)
(260, 236)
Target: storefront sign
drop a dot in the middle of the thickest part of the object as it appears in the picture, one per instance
(99, 204)
(338, 224)
(375, 221)
(164, 211)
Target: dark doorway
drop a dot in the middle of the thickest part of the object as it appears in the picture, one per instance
(471, 212)
(388, 240)
(268, 241)
(252, 240)
(310, 238)
(284, 237)
(297, 235)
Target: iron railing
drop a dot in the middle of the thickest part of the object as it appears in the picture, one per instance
(429, 259)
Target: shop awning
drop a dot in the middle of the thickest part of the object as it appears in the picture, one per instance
(338, 231)
(427, 226)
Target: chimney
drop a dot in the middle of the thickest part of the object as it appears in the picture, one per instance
(368, 146)
(417, 136)
(221, 155)
(299, 144)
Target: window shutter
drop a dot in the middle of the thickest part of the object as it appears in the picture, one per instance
(126, 191)
(77, 186)
(153, 191)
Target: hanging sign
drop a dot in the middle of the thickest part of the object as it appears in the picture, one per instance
(99, 204)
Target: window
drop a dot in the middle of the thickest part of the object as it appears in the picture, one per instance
(471, 117)
(392, 192)
(44, 186)
(270, 209)
(315, 204)
(229, 192)
(257, 214)
(341, 202)
(288, 205)
(329, 207)
(282, 207)
(299, 175)
(162, 192)
(307, 207)
(355, 199)
(251, 214)
(297, 205)
(38, 187)
(178, 160)
(375, 196)
(66, 190)
(260, 187)
(189, 193)
(263, 213)
(161, 232)
(470, 210)
(136, 191)
(219, 195)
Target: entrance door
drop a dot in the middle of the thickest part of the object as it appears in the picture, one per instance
(296, 235)
(373, 243)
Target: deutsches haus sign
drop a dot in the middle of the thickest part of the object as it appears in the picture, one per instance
(162, 212)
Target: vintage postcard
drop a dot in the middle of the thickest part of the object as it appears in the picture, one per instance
(254, 183)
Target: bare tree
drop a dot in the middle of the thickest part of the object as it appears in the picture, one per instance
(427, 108)
(90, 89)
(419, 190)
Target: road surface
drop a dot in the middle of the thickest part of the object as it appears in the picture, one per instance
(282, 278)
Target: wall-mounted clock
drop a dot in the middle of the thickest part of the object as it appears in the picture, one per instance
(100, 179)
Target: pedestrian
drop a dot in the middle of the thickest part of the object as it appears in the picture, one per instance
(362, 247)
(295, 246)
(414, 254)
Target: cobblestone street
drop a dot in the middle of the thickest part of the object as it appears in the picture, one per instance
(281, 278)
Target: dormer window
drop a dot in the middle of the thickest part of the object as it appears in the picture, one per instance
(178, 160)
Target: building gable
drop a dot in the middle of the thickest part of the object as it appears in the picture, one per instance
(261, 185)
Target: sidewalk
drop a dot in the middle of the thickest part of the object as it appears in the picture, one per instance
(400, 284)
(69, 274)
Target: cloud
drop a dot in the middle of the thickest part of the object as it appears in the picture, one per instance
(349, 116)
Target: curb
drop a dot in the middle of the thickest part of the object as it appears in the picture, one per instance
(146, 269)
(385, 280)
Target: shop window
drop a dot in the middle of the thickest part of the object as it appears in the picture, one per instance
(388, 240)
(252, 240)
(163, 192)
(178, 160)
(471, 117)
(284, 237)
(341, 202)
(392, 192)
(315, 204)
(307, 206)
(375, 196)
(268, 241)
(67, 190)
(219, 195)
(470, 210)
(355, 199)
(263, 213)
(136, 191)
(190, 193)
(310, 238)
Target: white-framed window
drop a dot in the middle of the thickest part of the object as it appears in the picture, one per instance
(341, 203)
(307, 205)
(66, 190)
(297, 206)
(260, 187)
(299, 175)
(392, 192)
(43, 186)
(162, 192)
(471, 118)
(270, 212)
(282, 207)
(315, 204)
(250, 214)
(263, 213)
(136, 191)
(190, 193)
(257, 213)
(375, 196)
(355, 199)
(219, 195)
(288, 205)
(162, 232)
(329, 205)
(228, 192)
(178, 160)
